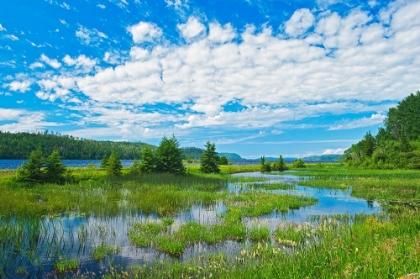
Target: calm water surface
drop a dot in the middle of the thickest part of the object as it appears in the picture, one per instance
(73, 236)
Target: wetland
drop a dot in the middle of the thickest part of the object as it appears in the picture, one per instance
(325, 221)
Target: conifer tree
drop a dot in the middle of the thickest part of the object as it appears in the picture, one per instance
(169, 156)
(55, 170)
(147, 163)
(32, 171)
(114, 167)
(209, 161)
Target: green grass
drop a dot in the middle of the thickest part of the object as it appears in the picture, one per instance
(102, 251)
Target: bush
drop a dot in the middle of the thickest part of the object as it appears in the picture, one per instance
(299, 163)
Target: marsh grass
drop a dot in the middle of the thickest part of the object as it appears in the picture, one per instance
(102, 251)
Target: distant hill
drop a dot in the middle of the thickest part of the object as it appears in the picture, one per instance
(195, 154)
(314, 158)
(323, 158)
(20, 145)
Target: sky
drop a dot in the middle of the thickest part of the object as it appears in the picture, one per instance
(256, 77)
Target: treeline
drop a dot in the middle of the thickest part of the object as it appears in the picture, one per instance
(20, 145)
(195, 153)
(397, 145)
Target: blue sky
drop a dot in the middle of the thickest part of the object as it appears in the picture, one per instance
(256, 77)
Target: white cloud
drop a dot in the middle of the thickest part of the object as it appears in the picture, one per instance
(273, 78)
(192, 28)
(12, 37)
(52, 62)
(10, 114)
(101, 6)
(300, 22)
(112, 57)
(337, 151)
(177, 4)
(25, 121)
(65, 6)
(144, 32)
(21, 86)
(36, 65)
(80, 62)
(88, 36)
(62, 21)
(375, 119)
(221, 34)
(2, 28)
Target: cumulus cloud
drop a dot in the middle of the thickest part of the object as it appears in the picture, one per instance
(177, 4)
(300, 22)
(144, 32)
(81, 62)
(90, 36)
(221, 34)
(2, 28)
(21, 86)
(101, 6)
(272, 78)
(52, 62)
(36, 65)
(192, 28)
(10, 114)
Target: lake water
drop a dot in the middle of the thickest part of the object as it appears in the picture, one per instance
(74, 236)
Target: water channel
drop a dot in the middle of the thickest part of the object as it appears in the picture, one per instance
(74, 236)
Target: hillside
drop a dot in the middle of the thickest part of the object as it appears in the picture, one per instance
(20, 145)
(195, 154)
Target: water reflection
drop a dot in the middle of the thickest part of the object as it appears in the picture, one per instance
(75, 236)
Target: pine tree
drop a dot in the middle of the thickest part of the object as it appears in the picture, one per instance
(55, 170)
(104, 162)
(32, 171)
(135, 168)
(114, 167)
(147, 163)
(281, 164)
(209, 161)
(223, 161)
(169, 156)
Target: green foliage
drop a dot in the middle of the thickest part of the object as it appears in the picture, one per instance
(396, 146)
(40, 170)
(299, 163)
(280, 165)
(55, 170)
(20, 145)
(104, 162)
(32, 171)
(114, 167)
(169, 157)
(135, 168)
(265, 165)
(223, 161)
(209, 161)
(147, 164)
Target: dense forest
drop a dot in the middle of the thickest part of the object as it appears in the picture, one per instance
(20, 145)
(397, 145)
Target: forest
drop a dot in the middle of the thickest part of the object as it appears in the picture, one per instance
(397, 145)
(20, 145)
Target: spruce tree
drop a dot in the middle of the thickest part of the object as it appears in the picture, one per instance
(209, 161)
(55, 170)
(114, 167)
(33, 170)
(147, 163)
(169, 156)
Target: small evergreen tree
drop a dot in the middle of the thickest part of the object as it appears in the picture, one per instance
(55, 170)
(281, 166)
(223, 161)
(104, 162)
(32, 171)
(114, 167)
(169, 156)
(209, 161)
(135, 168)
(147, 163)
